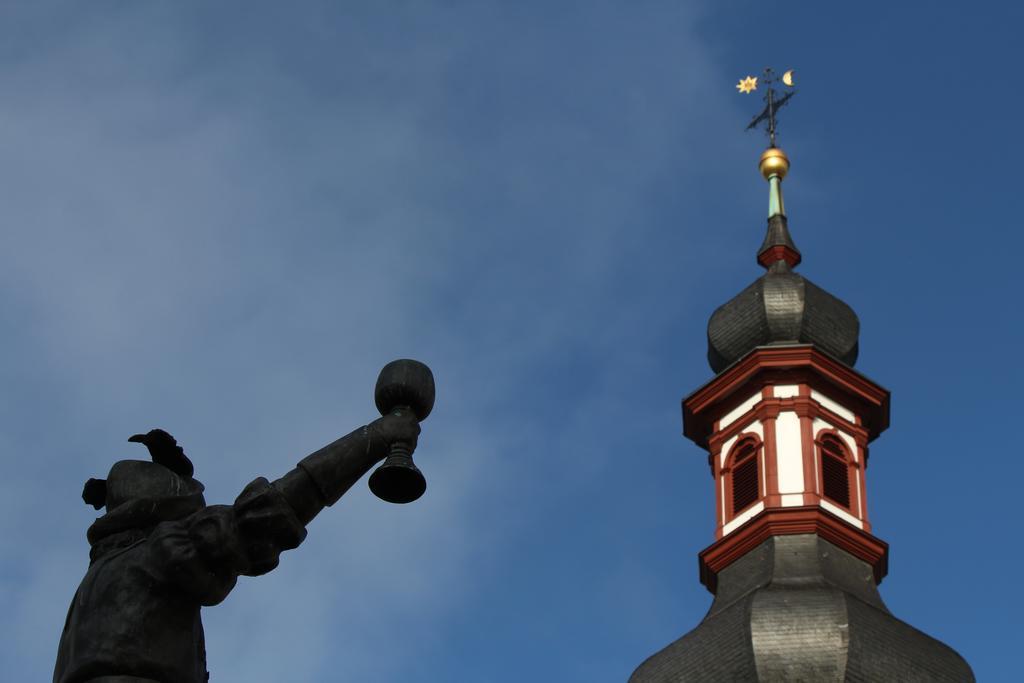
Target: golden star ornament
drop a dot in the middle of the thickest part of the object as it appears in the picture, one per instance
(748, 84)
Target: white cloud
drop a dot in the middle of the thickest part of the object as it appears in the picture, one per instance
(206, 237)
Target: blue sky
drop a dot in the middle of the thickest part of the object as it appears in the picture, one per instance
(224, 218)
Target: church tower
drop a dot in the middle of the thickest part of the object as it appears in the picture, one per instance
(787, 423)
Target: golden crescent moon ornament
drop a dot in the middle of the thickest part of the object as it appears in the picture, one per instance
(787, 78)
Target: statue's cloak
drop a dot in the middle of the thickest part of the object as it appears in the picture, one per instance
(136, 614)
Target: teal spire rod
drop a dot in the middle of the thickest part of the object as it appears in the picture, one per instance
(774, 166)
(775, 205)
(777, 245)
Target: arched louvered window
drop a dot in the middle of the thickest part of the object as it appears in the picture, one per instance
(744, 476)
(835, 469)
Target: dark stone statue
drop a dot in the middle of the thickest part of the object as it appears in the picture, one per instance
(160, 553)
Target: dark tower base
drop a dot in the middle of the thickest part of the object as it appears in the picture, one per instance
(798, 608)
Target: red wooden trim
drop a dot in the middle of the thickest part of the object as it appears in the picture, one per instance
(851, 469)
(717, 476)
(805, 406)
(738, 427)
(807, 449)
(854, 429)
(771, 459)
(770, 408)
(863, 481)
(730, 514)
(729, 403)
(798, 364)
(779, 252)
(811, 484)
(789, 521)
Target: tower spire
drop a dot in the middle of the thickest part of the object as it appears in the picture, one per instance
(774, 165)
(778, 244)
(786, 424)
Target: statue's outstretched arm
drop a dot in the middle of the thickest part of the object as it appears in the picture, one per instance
(321, 478)
(270, 518)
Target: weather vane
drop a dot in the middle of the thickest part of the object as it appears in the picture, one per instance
(771, 98)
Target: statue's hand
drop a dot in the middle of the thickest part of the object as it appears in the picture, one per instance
(399, 426)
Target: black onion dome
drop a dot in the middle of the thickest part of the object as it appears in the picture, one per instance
(781, 307)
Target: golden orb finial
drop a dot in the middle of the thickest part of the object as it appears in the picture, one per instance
(774, 162)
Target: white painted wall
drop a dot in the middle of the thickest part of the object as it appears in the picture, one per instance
(754, 427)
(786, 391)
(833, 406)
(789, 452)
(851, 444)
(840, 512)
(721, 482)
(744, 516)
(738, 411)
(724, 453)
(818, 424)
